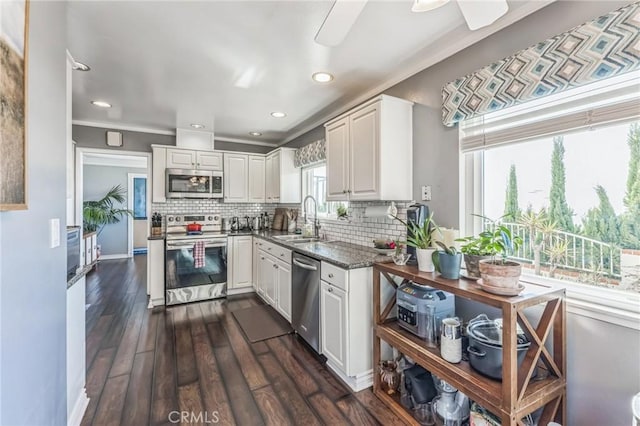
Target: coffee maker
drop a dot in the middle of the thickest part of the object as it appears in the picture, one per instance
(416, 213)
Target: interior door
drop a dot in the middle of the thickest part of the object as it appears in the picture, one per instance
(364, 149)
(333, 312)
(337, 145)
(235, 178)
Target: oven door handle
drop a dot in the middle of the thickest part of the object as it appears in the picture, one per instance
(190, 246)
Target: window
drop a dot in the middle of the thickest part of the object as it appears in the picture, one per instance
(314, 183)
(565, 175)
(139, 198)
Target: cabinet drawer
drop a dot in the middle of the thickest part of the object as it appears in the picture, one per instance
(282, 254)
(334, 275)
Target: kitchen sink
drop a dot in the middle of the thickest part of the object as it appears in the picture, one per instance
(292, 238)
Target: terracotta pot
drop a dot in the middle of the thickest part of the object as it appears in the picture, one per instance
(472, 264)
(498, 274)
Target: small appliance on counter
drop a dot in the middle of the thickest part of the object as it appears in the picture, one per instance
(416, 311)
(416, 213)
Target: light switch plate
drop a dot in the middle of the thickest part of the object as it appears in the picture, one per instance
(426, 193)
(54, 233)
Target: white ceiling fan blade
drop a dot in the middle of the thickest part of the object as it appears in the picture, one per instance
(339, 21)
(480, 13)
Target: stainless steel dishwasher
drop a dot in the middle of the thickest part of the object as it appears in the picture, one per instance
(305, 295)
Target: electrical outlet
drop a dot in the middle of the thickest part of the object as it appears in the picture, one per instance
(426, 193)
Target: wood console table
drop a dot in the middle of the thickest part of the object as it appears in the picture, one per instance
(518, 395)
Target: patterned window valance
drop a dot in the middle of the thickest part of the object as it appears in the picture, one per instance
(315, 152)
(602, 48)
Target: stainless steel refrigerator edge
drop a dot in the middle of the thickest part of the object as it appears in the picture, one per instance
(305, 295)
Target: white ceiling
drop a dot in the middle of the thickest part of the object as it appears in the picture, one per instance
(228, 64)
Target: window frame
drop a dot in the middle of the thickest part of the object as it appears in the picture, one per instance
(617, 307)
(331, 215)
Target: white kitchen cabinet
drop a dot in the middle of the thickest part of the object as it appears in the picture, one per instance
(208, 160)
(333, 311)
(155, 272)
(346, 323)
(254, 263)
(239, 255)
(283, 289)
(257, 186)
(370, 152)
(178, 158)
(236, 175)
(181, 159)
(158, 177)
(283, 179)
(274, 276)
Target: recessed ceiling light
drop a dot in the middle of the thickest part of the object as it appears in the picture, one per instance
(255, 133)
(197, 126)
(322, 77)
(79, 66)
(278, 114)
(101, 104)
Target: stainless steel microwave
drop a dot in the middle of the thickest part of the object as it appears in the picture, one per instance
(193, 183)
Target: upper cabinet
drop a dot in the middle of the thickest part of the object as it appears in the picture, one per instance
(187, 159)
(283, 179)
(236, 178)
(158, 181)
(257, 186)
(369, 152)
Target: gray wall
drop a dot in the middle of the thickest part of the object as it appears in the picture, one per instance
(97, 180)
(603, 367)
(32, 275)
(95, 137)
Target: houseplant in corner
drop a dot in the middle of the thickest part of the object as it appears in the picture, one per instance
(447, 261)
(421, 238)
(97, 214)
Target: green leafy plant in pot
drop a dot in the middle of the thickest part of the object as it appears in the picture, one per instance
(421, 237)
(447, 261)
(474, 250)
(97, 214)
(498, 242)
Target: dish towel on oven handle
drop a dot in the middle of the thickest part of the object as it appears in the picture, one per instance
(198, 254)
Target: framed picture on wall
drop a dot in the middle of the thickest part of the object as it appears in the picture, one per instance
(14, 29)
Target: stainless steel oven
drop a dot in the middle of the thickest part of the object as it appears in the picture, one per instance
(193, 183)
(185, 279)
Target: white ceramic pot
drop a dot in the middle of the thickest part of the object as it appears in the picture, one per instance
(425, 263)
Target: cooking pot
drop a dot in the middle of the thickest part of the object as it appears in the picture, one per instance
(194, 227)
(485, 346)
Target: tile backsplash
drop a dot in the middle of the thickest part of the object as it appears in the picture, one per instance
(358, 229)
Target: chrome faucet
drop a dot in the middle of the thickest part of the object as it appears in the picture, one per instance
(316, 221)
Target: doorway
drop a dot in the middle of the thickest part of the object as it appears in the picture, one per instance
(98, 171)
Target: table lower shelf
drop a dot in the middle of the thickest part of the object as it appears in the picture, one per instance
(485, 391)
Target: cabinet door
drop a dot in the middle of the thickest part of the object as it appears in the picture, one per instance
(333, 315)
(254, 263)
(337, 136)
(364, 166)
(268, 179)
(275, 176)
(209, 160)
(269, 276)
(236, 186)
(257, 185)
(283, 293)
(158, 176)
(242, 252)
(262, 262)
(181, 159)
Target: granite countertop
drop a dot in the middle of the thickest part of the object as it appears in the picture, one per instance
(339, 253)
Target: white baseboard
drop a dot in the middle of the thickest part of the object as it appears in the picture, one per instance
(75, 418)
(113, 256)
(356, 383)
(243, 290)
(155, 302)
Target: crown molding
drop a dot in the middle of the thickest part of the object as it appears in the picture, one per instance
(126, 127)
(244, 141)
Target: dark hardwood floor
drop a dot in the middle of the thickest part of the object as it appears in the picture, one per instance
(149, 366)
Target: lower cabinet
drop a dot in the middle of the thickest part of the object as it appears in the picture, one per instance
(254, 264)
(333, 311)
(239, 255)
(155, 272)
(274, 280)
(346, 323)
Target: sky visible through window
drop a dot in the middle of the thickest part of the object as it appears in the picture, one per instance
(598, 157)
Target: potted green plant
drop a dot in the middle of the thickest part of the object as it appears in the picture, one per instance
(474, 249)
(342, 212)
(97, 214)
(447, 261)
(421, 238)
(498, 242)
